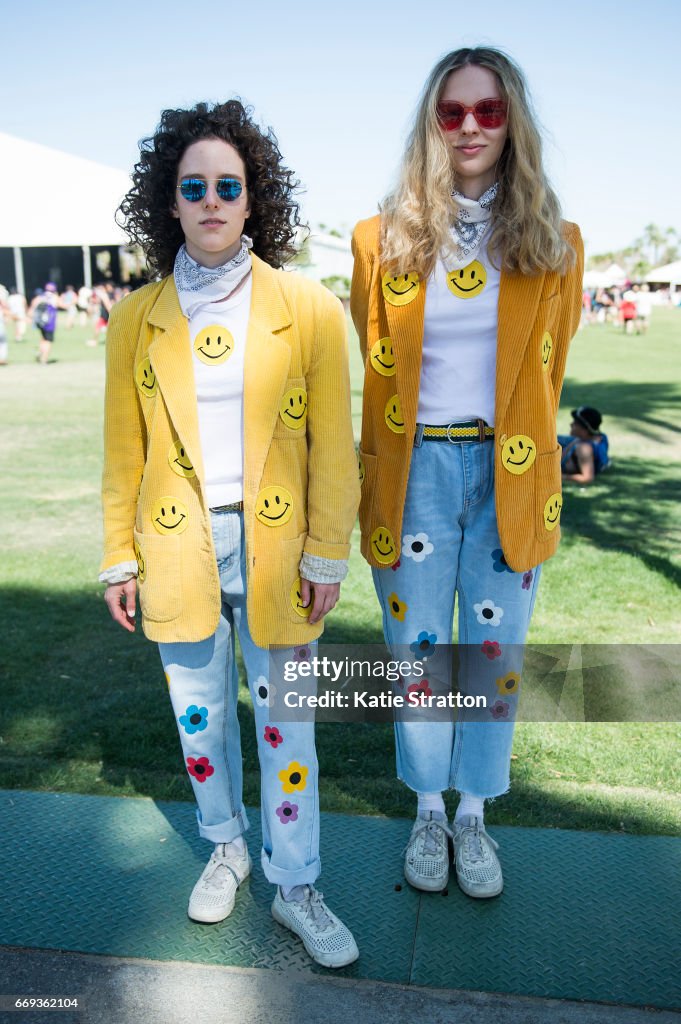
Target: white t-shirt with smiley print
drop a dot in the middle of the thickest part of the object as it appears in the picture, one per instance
(458, 365)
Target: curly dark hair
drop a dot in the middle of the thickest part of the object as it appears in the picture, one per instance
(145, 212)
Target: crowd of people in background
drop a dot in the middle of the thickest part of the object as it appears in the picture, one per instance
(630, 306)
(80, 307)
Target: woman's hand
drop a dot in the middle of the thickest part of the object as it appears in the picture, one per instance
(120, 599)
(325, 598)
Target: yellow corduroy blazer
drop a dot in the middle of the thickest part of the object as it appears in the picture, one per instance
(297, 339)
(537, 317)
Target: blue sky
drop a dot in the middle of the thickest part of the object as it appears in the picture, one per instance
(339, 82)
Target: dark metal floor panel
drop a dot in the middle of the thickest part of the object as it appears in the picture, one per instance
(583, 916)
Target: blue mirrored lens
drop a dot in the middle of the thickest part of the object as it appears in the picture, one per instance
(193, 189)
(229, 189)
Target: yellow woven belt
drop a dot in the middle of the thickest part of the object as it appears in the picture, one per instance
(476, 430)
(234, 506)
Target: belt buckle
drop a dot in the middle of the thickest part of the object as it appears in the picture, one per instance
(451, 439)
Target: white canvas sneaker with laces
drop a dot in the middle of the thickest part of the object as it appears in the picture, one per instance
(426, 858)
(324, 936)
(213, 896)
(478, 870)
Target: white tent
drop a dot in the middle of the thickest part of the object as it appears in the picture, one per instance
(614, 275)
(670, 273)
(59, 200)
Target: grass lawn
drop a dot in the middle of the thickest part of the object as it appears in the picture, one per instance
(84, 706)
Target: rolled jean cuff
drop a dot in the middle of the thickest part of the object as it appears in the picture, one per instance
(307, 875)
(226, 831)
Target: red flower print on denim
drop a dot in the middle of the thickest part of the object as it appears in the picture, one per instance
(421, 689)
(396, 566)
(200, 768)
(273, 736)
(491, 648)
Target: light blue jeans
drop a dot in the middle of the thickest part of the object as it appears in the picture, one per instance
(451, 547)
(203, 683)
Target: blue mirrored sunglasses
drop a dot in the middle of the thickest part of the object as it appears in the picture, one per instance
(194, 189)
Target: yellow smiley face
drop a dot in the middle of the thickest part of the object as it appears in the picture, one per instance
(141, 565)
(552, 510)
(518, 453)
(293, 408)
(383, 546)
(393, 415)
(382, 357)
(179, 461)
(274, 505)
(145, 379)
(468, 281)
(213, 345)
(296, 599)
(362, 470)
(401, 289)
(169, 515)
(546, 350)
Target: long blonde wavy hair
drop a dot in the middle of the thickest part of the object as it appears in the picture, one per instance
(416, 217)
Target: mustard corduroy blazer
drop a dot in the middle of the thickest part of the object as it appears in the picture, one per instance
(156, 512)
(537, 317)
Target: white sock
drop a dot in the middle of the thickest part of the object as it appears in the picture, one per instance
(470, 805)
(293, 892)
(430, 802)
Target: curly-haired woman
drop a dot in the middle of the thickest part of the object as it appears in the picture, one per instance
(466, 292)
(230, 485)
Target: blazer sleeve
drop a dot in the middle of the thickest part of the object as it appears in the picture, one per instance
(570, 308)
(361, 284)
(124, 438)
(333, 481)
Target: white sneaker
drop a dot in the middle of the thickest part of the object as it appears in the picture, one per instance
(426, 858)
(212, 897)
(478, 870)
(324, 936)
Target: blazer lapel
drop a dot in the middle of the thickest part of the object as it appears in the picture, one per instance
(266, 368)
(405, 330)
(519, 296)
(171, 359)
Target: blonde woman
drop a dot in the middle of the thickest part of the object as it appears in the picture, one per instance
(466, 292)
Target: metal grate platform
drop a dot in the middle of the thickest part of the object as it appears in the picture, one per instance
(583, 916)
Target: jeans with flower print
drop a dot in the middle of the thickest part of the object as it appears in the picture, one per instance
(203, 682)
(451, 548)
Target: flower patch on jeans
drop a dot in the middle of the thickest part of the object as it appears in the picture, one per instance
(194, 719)
(287, 812)
(488, 613)
(200, 768)
(294, 777)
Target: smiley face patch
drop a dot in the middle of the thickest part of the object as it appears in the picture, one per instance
(552, 510)
(468, 281)
(383, 545)
(518, 454)
(293, 408)
(141, 565)
(393, 415)
(382, 357)
(296, 599)
(213, 345)
(169, 515)
(179, 461)
(546, 350)
(401, 289)
(274, 505)
(145, 379)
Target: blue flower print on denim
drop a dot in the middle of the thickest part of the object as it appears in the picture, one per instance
(499, 561)
(195, 719)
(424, 645)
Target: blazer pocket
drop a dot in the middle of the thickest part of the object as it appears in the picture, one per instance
(548, 499)
(160, 576)
(291, 422)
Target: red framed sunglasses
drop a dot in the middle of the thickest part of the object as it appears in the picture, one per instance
(490, 113)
